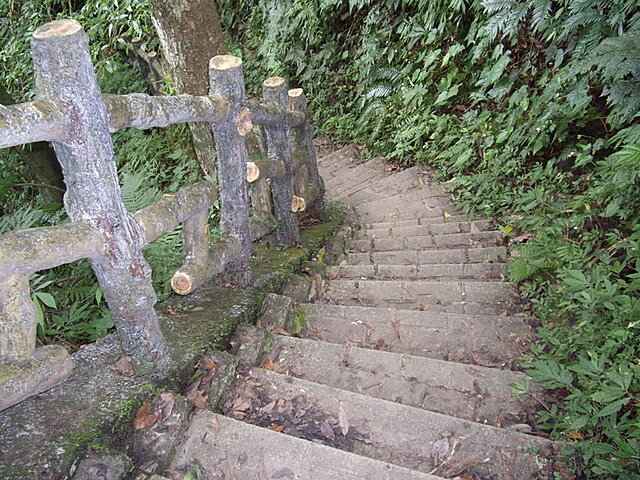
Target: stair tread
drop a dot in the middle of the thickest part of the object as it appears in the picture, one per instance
(391, 432)
(429, 229)
(415, 221)
(480, 339)
(445, 271)
(465, 296)
(427, 241)
(228, 448)
(470, 392)
(495, 254)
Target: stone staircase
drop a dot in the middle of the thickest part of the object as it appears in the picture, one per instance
(401, 368)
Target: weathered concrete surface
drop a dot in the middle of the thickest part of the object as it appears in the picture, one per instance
(470, 271)
(430, 229)
(482, 340)
(481, 298)
(406, 436)
(426, 257)
(415, 221)
(226, 449)
(423, 242)
(469, 392)
(44, 435)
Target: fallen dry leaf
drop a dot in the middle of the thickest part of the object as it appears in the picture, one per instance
(327, 430)
(172, 310)
(278, 330)
(240, 404)
(343, 420)
(268, 364)
(394, 326)
(268, 407)
(237, 415)
(198, 399)
(276, 428)
(164, 406)
(215, 425)
(145, 417)
(124, 366)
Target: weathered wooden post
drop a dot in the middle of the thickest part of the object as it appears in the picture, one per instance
(226, 79)
(64, 74)
(309, 182)
(274, 94)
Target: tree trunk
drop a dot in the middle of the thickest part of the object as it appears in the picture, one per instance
(190, 35)
(42, 161)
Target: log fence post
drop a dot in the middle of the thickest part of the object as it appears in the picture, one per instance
(274, 94)
(71, 112)
(226, 79)
(308, 181)
(64, 74)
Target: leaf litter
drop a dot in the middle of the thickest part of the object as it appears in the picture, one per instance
(260, 403)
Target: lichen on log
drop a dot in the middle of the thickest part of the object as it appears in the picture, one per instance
(226, 80)
(274, 94)
(273, 116)
(142, 111)
(30, 122)
(304, 144)
(171, 210)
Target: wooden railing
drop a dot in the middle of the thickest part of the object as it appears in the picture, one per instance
(71, 113)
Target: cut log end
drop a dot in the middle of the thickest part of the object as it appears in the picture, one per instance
(245, 122)
(253, 172)
(296, 92)
(181, 283)
(224, 62)
(272, 82)
(298, 204)
(58, 28)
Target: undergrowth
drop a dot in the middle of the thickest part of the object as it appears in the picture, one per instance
(529, 110)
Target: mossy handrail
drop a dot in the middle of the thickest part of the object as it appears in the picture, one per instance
(71, 113)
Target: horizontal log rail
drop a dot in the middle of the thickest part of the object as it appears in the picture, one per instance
(71, 113)
(30, 122)
(273, 116)
(141, 111)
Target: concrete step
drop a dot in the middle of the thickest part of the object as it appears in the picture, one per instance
(450, 271)
(412, 211)
(400, 182)
(481, 298)
(494, 341)
(425, 230)
(341, 160)
(428, 257)
(370, 169)
(223, 448)
(423, 195)
(473, 393)
(447, 240)
(391, 185)
(416, 221)
(390, 432)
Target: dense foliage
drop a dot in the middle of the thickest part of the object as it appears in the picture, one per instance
(529, 109)
(68, 298)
